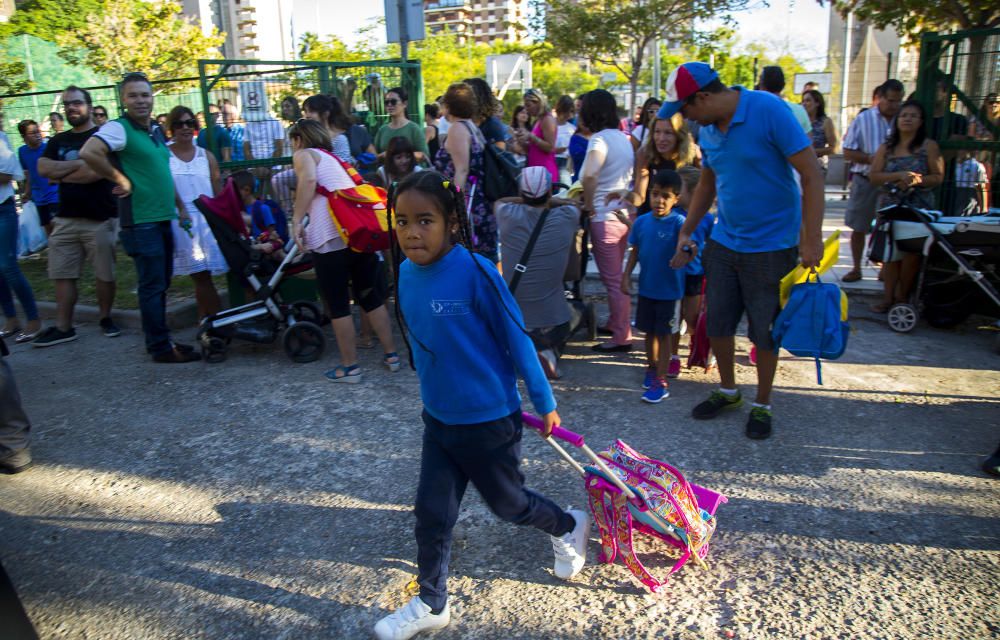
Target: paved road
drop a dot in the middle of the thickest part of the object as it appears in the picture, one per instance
(252, 499)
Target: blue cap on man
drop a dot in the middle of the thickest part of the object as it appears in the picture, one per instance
(685, 81)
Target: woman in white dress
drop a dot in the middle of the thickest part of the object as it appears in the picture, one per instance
(195, 171)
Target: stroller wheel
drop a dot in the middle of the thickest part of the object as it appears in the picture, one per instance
(591, 322)
(303, 342)
(305, 311)
(902, 317)
(213, 349)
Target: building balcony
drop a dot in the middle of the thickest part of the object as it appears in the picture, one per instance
(437, 5)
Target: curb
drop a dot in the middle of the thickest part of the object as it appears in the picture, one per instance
(180, 315)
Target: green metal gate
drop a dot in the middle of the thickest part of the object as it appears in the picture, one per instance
(959, 75)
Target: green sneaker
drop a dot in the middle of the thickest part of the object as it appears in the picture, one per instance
(759, 423)
(715, 404)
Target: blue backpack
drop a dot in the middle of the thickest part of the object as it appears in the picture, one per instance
(813, 323)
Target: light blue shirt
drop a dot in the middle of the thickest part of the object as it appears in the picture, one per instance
(760, 205)
(9, 164)
(656, 241)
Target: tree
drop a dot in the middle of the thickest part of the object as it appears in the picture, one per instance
(133, 35)
(13, 79)
(49, 19)
(619, 33)
(912, 18)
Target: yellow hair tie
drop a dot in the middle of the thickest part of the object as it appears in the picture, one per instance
(446, 184)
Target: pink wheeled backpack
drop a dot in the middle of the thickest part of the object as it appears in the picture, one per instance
(631, 492)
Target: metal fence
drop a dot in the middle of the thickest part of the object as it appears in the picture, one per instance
(252, 94)
(249, 105)
(958, 83)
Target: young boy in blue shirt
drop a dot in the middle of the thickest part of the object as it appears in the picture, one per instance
(258, 218)
(661, 288)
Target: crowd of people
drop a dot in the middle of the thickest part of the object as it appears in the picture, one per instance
(479, 284)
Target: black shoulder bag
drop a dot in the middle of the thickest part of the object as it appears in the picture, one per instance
(522, 264)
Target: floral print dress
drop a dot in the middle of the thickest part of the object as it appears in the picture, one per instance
(484, 223)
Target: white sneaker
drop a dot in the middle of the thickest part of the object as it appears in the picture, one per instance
(571, 549)
(411, 619)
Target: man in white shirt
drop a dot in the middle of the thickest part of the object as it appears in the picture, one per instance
(863, 138)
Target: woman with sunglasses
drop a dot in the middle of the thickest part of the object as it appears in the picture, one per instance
(100, 114)
(195, 172)
(400, 125)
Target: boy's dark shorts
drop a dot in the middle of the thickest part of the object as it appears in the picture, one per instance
(738, 282)
(692, 284)
(656, 317)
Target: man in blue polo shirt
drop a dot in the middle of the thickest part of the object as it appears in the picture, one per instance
(750, 143)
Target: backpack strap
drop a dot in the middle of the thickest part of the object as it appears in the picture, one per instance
(351, 171)
(522, 264)
(624, 534)
(603, 509)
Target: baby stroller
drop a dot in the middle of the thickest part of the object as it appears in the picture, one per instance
(958, 275)
(630, 492)
(263, 319)
(576, 271)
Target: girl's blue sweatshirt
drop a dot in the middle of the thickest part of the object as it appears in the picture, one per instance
(471, 345)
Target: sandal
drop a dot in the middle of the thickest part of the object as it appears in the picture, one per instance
(340, 373)
(852, 276)
(391, 361)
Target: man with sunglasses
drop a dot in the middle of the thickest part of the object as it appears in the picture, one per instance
(131, 152)
(84, 226)
(221, 138)
(750, 143)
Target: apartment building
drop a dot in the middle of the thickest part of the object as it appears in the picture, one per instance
(478, 20)
(255, 29)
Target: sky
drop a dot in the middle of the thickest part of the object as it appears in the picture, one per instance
(799, 26)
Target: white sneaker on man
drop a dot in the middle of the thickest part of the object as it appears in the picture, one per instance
(411, 619)
(571, 548)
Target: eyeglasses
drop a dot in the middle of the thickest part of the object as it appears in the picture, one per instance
(391, 102)
(180, 124)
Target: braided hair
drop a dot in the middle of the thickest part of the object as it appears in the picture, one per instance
(450, 200)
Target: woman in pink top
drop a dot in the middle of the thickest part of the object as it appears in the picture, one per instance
(340, 272)
(540, 145)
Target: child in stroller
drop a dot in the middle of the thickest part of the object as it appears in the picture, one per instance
(268, 314)
(259, 218)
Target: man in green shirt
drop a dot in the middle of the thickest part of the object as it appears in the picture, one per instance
(132, 153)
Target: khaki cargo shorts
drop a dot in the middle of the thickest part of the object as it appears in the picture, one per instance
(74, 240)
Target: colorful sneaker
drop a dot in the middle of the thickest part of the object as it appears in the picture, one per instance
(571, 548)
(716, 403)
(411, 619)
(674, 369)
(109, 328)
(753, 355)
(657, 391)
(53, 336)
(759, 423)
(650, 377)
